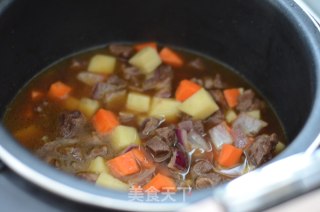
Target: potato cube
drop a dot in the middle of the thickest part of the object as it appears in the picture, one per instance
(138, 102)
(230, 116)
(108, 181)
(71, 103)
(200, 105)
(102, 64)
(98, 165)
(123, 136)
(254, 114)
(147, 60)
(279, 147)
(88, 106)
(165, 108)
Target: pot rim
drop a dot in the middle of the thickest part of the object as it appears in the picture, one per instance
(27, 165)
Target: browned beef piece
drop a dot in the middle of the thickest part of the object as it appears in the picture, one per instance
(167, 134)
(159, 149)
(262, 149)
(121, 50)
(88, 176)
(113, 83)
(190, 124)
(149, 125)
(208, 180)
(129, 71)
(214, 119)
(198, 127)
(197, 64)
(71, 151)
(201, 167)
(219, 98)
(161, 78)
(164, 92)
(186, 125)
(98, 150)
(70, 123)
(247, 101)
(126, 117)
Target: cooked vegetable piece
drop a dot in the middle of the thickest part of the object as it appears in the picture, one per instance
(161, 183)
(200, 105)
(138, 102)
(102, 64)
(279, 147)
(123, 136)
(104, 121)
(220, 135)
(90, 78)
(164, 108)
(142, 158)
(141, 46)
(98, 165)
(186, 89)
(231, 95)
(36, 95)
(59, 90)
(71, 103)
(170, 57)
(108, 181)
(88, 106)
(230, 116)
(229, 156)
(123, 165)
(147, 60)
(255, 114)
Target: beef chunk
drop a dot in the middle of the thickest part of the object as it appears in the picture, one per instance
(70, 123)
(186, 125)
(98, 150)
(189, 125)
(262, 149)
(149, 125)
(198, 127)
(168, 134)
(125, 118)
(113, 83)
(197, 64)
(219, 98)
(129, 72)
(247, 101)
(214, 119)
(201, 167)
(121, 50)
(160, 79)
(91, 177)
(158, 148)
(207, 180)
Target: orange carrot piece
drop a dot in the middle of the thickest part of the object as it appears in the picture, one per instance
(229, 155)
(231, 95)
(141, 158)
(161, 183)
(140, 46)
(170, 57)
(36, 95)
(59, 90)
(104, 121)
(123, 165)
(186, 89)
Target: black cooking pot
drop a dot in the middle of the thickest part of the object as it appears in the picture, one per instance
(272, 43)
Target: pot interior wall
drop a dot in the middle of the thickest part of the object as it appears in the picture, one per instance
(251, 37)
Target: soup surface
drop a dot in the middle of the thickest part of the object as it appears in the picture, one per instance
(145, 116)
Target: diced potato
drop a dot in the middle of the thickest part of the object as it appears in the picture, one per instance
(163, 107)
(88, 106)
(102, 64)
(98, 165)
(147, 60)
(230, 116)
(279, 147)
(254, 114)
(123, 136)
(200, 105)
(71, 103)
(108, 181)
(138, 102)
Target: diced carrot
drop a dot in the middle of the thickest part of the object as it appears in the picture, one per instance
(104, 121)
(170, 57)
(161, 183)
(140, 46)
(36, 95)
(59, 90)
(123, 165)
(229, 155)
(141, 158)
(186, 89)
(231, 95)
